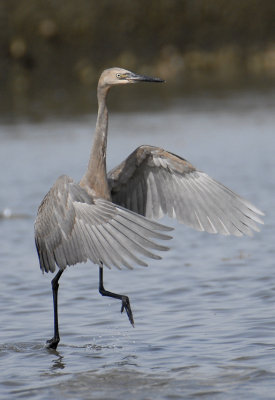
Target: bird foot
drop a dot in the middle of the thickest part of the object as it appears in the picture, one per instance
(52, 343)
(126, 306)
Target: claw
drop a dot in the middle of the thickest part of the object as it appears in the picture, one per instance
(126, 306)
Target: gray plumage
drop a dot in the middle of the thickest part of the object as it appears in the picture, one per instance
(77, 222)
(108, 219)
(154, 182)
(72, 227)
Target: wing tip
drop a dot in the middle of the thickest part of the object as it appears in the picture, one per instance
(256, 210)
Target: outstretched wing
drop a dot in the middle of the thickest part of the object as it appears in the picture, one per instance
(154, 182)
(72, 227)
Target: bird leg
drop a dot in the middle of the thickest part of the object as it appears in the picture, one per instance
(53, 343)
(124, 299)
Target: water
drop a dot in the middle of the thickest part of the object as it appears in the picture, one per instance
(204, 314)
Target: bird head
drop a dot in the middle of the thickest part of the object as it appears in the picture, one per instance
(120, 76)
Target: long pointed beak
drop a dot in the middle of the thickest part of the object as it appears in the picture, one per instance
(142, 78)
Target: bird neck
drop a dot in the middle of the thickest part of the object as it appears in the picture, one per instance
(95, 178)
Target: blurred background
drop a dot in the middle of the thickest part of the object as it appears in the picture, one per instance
(52, 52)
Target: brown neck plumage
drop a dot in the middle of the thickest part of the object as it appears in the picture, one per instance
(95, 178)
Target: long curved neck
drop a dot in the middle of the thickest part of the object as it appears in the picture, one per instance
(95, 178)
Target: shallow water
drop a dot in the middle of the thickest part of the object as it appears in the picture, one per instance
(204, 314)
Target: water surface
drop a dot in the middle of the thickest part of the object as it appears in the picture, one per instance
(204, 314)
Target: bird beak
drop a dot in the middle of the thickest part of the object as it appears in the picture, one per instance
(132, 77)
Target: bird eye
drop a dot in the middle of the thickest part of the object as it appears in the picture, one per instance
(118, 76)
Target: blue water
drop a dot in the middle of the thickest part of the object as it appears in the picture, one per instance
(204, 314)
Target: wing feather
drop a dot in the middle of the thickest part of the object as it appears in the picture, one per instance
(154, 182)
(72, 227)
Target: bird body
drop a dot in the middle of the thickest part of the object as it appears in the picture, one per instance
(73, 226)
(108, 218)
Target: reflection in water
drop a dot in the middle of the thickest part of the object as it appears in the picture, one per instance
(57, 363)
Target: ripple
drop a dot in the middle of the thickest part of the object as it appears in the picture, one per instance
(20, 347)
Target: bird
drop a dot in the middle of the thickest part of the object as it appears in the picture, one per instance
(109, 218)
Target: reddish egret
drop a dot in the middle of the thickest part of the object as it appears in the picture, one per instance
(107, 218)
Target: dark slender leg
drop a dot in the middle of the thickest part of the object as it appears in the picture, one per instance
(53, 343)
(124, 299)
